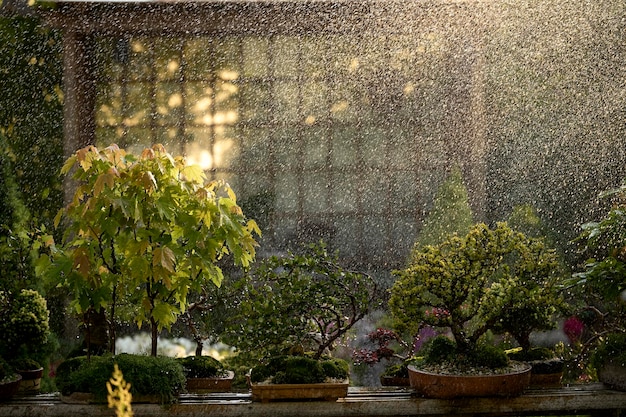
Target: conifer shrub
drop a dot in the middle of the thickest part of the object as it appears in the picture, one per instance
(158, 376)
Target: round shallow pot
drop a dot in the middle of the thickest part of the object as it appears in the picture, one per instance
(31, 381)
(453, 386)
(9, 389)
(613, 375)
(546, 373)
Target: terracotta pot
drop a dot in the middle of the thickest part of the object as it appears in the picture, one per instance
(546, 380)
(546, 373)
(453, 386)
(31, 381)
(9, 389)
(215, 384)
(330, 391)
(613, 375)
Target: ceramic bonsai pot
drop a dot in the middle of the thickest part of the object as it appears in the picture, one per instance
(31, 381)
(215, 384)
(546, 373)
(613, 375)
(9, 389)
(432, 385)
(326, 391)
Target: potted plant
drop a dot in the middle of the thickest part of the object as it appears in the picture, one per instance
(465, 285)
(206, 374)
(299, 305)
(31, 372)
(143, 232)
(538, 303)
(387, 347)
(24, 322)
(152, 378)
(9, 381)
(609, 359)
(602, 286)
(546, 365)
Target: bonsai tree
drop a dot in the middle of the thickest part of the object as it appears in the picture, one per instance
(468, 284)
(146, 230)
(300, 302)
(202, 367)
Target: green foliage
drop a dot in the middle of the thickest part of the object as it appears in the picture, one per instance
(606, 241)
(602, 283)
(289, 369)
(24, 322)
(472, 284)
(6, 371)
(15, 250)
(451, 213)
(398, 370)
(443, 350)
(302, 301)
(148, 375)
(25, 364)
(612, 348)
(201, 367)
(147, 230)
(31, 112)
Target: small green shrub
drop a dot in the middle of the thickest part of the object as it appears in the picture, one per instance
(442, 350)
(336, 368)
(201, 367)
(148, 375)
(488, 356)
(25, 364)
(399, 370)
(299, 370)
(6, 372)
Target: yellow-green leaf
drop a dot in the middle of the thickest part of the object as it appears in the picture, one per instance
(164, 257)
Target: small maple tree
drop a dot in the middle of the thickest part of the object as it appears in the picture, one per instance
(145, 229)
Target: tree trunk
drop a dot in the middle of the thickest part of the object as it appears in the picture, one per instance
(155, 336)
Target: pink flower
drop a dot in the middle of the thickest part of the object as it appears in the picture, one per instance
(573, 328)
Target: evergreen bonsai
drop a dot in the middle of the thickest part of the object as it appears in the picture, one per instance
(202, 367)
(467, 284)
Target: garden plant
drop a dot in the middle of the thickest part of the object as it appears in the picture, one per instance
(143, 232)
(484, 282)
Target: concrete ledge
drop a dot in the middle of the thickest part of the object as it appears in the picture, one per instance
(592, 399)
